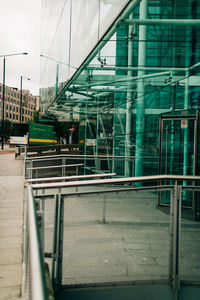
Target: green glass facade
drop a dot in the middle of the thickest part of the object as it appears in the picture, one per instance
(119, 67)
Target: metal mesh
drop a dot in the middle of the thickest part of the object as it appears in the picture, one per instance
(114, 237)
(49, 216)
(27, 275)
(48, 207)
(190, 249)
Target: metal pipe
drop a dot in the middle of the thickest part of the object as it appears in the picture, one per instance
(140, 105)
(71, 177)
(115, 181)
(141, 75)
(20, 99)
(59, 156)
(21, 117)
(107, 68)
(52, 167)
(194, 66)
(118, 190)
(186, 106)
(57, 78)
(128, 103)
(38, 285)
(3, 102)
(144, 21)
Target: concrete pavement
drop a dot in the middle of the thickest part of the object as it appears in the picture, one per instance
(11, 225)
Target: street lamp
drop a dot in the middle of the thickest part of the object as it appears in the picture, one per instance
(3, 93)
(21, 105)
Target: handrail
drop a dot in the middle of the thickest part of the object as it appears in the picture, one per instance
(56, 166)
(38, 284)
(71, 177)
(116, 180)
(77, 156)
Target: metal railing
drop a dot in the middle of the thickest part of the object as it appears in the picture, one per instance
(35, 285)
(76, 209)
(55, 165)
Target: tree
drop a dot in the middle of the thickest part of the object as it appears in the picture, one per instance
(35, 118)
(7, 128)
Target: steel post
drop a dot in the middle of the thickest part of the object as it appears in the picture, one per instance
(140, 105)
(129, 103)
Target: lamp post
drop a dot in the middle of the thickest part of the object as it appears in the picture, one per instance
(3, 93)
(21, 102)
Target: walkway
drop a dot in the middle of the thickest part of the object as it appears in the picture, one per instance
(11, 225)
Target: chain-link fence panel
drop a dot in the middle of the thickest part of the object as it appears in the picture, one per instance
(114, 237)
(189, 248)
(27, 286)
(48, 206)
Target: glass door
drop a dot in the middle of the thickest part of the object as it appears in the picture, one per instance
(177, 152)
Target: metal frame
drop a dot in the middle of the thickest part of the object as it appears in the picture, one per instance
(70, 177)
(59, 252)
(115, 181)
(38, 282)
(55, 241)
(175, 216)
(180, 117)
(29, 162)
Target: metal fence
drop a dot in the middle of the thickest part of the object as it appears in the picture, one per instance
(35, 277)
(58, 165)
(109, 232)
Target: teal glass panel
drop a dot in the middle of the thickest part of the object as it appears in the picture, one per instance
(114, 92)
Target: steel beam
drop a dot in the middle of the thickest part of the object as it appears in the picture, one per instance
(171, 22)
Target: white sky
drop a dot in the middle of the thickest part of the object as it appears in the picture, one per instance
(20, 32)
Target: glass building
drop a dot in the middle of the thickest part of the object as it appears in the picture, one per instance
(128, 72)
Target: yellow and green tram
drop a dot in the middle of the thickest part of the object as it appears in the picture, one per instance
(32, 134)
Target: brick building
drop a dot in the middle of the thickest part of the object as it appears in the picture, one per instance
(13, 103)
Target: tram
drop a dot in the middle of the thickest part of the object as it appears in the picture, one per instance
(32, 134)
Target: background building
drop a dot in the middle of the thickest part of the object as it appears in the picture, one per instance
(12, 104)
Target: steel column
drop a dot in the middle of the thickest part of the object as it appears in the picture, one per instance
(60, 240)
(140, 105)
(128, 104)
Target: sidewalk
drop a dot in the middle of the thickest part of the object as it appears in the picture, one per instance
(11, 224)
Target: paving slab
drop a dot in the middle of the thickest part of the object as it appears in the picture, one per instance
(11, 225)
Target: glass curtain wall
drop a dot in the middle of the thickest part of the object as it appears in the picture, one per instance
(70, 30)
(110, 65)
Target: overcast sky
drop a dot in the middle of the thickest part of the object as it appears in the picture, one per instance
(20, 32)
